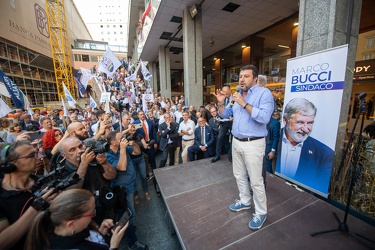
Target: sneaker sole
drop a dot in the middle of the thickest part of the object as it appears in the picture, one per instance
(257, 228)
(240, 209)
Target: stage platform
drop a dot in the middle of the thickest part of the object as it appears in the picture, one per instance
(197, 195)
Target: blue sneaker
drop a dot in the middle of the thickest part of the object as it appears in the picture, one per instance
(257, 221)
(238, 206)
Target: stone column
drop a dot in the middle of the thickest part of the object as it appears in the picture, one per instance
(164, 72)
(154, 79)
(193, 63)
(323, 25)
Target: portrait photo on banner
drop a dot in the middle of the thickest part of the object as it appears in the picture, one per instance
(310, 118)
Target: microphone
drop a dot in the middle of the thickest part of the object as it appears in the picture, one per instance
(238, 88)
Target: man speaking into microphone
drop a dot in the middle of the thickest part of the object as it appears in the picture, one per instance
(252, 110)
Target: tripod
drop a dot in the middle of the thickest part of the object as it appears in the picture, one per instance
(343, 226)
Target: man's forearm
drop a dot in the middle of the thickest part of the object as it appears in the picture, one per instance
(123, 161)
(109, 171)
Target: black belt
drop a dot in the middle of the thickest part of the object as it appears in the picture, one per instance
(249, 138)
(188, 140)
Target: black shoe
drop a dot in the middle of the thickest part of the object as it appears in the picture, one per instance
(139, 246)
(215, 159)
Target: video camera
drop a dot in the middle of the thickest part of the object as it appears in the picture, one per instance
(56, 179)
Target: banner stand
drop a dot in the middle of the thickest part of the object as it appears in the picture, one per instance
(354, 169)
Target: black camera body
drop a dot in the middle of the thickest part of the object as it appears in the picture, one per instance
(95, 146)
(56, 179)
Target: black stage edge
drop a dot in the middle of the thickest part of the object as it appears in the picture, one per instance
(197, 195)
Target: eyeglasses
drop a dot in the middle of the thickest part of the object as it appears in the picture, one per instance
(32, 155)
(58, 135)
(93, 214)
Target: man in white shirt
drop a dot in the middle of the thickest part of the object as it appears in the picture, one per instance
(186, 130)
(178, 113)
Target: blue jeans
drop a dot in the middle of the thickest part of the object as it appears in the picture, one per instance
(140, 168)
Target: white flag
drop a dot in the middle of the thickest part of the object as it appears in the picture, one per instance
(106, 107)
(86, 75)
(145, 99)
(146, 74)
(109, 63)
(132, 77)
(93, 103)
(4, 108)
(69, 98)
(64, 107)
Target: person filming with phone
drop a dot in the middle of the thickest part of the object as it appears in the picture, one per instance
(67, 224)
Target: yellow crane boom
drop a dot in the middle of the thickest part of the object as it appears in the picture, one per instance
(59, 42)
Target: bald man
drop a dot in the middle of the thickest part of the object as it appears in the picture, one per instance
(78, 130)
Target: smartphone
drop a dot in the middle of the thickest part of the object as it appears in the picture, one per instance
(137, 126)
(35, 135)
(124, 219)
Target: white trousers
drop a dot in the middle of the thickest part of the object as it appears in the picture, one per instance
(248, 161)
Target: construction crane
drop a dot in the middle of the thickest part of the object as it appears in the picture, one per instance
(60, 47)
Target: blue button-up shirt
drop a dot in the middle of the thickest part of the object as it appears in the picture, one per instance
(127, 178)
(247, 125)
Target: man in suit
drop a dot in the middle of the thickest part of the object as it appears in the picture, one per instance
(168, 140)
(204, 141)
(149, 134)
(26, 121)
(272, 140)
(303, 158)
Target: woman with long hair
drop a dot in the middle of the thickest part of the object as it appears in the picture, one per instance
(66, 225)
(14, 131)
(50, 139)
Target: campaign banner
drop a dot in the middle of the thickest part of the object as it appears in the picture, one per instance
(312, 103)
(145, 99)
(109, 63)
(146, 74)
(69, 98)
(93, 103)
(86, 75)
(105, 96)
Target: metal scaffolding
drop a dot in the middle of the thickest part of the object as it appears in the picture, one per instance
(61, 53)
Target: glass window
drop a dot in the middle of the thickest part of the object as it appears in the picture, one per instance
(370, 43)
(94, 59)
(77, 57)
(85, 58)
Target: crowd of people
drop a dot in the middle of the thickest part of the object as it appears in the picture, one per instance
(105, 149)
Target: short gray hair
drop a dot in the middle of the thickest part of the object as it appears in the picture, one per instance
(262, 80)
(65, 141)
(299, 105)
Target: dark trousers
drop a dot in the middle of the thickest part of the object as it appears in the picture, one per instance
(168, 150)
(151, 156)
(195, 149)
(221, 138)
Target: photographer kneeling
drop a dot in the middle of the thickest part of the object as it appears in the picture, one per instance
(17, 205)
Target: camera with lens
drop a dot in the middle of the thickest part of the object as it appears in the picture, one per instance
(32, 127)
(95, 146)
(130, 137)
(57, 179)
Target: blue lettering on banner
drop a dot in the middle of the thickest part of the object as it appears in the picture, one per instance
(318, 86)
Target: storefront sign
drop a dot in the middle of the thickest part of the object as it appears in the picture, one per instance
(364, 70)
(313, 94)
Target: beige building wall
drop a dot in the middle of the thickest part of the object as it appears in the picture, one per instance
(25, 23)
